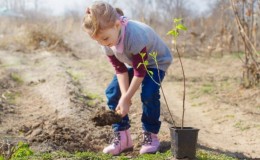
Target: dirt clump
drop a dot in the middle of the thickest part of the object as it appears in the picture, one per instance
(61, 135)
(105, 117)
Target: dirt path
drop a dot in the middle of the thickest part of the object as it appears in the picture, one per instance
(50, 110)
(228, 117)
(53, 105)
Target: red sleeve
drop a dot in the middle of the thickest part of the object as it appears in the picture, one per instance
(119, 66)
(140, 71)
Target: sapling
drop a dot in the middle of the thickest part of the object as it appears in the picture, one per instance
(177, 27)
(150, 73)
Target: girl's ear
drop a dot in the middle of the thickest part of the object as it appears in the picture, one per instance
(117, 24)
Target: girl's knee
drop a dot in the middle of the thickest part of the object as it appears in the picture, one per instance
(149, 97)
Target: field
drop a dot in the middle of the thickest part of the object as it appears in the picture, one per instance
(50, 89)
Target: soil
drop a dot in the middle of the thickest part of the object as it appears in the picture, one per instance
(49, 100)
(106, 117)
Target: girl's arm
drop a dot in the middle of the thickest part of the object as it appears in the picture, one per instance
(135, 83)
(123, 80)
(121, 73)
(122, 76)
(125, 100)
(139, 73)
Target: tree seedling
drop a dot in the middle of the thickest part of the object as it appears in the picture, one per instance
(174, 32)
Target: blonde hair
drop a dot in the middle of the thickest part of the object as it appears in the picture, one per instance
(99, 16)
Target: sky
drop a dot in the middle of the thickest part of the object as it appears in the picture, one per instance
(58, 7)
(202, 6)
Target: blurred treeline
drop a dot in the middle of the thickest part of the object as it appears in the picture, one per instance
(213, 33)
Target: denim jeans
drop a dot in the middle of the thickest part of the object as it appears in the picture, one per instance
(150, 97)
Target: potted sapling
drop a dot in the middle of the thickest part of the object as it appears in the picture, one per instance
(183, 139)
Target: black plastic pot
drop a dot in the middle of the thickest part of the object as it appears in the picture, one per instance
(184, 142)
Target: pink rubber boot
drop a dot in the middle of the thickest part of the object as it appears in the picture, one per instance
(122, 142)
(150, 143)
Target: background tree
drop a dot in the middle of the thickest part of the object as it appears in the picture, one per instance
(244, 14)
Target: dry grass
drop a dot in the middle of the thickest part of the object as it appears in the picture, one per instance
(28, 37)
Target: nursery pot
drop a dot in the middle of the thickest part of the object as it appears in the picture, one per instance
(184, 142)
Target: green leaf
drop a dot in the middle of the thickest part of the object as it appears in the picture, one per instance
(153, 54)
(173, 33)
(181, 27)
(139, 65)
(151, 73)
(142, 54)
(170, 32)
(22, 150)
(146, 63)
(177, 20)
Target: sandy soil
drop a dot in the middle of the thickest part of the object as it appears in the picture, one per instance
(48, 99)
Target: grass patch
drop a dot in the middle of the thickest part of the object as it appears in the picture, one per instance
(207, 88)
(51, 156)
(22, 151)
(75, 76)
(198, 104)
(19, 152)
(87, 98)
(92, 96)
(206, 155)
(10, 97)
(242, 126)
(93, 156)
(17, 78)
(231, 116)
(201, 155)
(9, 65)
(194, 95)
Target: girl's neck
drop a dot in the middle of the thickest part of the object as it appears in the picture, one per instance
(119, 35)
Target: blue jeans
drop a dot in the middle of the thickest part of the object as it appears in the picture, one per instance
(150, 97)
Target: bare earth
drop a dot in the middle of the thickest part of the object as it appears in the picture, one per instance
(51, 108)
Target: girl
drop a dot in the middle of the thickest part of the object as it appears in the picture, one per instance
(123, 40)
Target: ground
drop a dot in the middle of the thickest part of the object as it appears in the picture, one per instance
(48, 99)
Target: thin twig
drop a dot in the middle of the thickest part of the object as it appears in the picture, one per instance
(159, 84)
(184, 87)
(173, 122)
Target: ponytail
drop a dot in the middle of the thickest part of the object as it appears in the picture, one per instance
(119, 12)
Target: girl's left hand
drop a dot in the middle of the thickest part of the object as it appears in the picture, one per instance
(123, 105)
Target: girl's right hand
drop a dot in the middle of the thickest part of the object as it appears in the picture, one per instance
(123, 106)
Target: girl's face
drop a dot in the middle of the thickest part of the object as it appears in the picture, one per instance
(108, 37)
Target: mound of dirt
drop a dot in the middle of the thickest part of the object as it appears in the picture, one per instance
(106, 117)
(61, 135)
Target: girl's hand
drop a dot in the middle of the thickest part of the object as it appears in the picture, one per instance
(123, 106)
